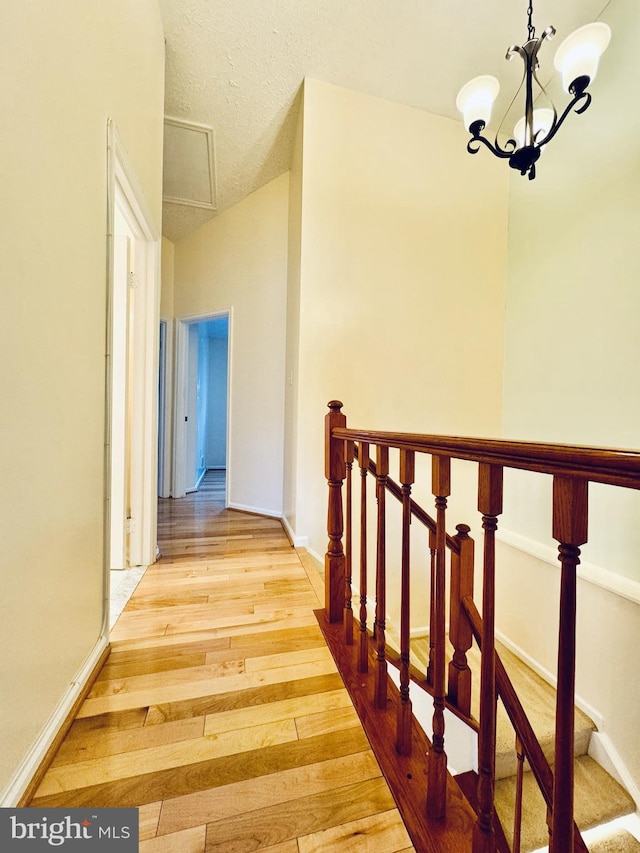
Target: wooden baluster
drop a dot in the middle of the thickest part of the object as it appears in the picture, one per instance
(432, 604)
(407, 478)
(459, 627)
(363, 648)
(437, 760)
(490, 505)
(348, 610)
(382, 471)
(570, 522)
(517, 818)
(335, 472)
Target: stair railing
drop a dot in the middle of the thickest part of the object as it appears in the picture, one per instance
(572, 468)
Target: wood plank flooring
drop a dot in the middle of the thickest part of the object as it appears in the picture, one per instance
(220, 712)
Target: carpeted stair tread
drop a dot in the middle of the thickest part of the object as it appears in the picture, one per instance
(538, 699)
(620, 842)
(598, 799)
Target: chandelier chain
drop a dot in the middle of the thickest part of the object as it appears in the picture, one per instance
(532, 30)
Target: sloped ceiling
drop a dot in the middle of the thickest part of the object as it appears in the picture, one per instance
(237, 67)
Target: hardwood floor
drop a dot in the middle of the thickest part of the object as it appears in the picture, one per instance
(220, 712)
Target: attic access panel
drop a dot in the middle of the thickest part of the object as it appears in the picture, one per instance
(189, 175)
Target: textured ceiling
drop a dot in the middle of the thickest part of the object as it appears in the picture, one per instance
(238, 66)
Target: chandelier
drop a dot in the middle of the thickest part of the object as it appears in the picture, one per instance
(576, 59)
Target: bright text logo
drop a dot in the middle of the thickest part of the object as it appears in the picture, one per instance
(87, 830)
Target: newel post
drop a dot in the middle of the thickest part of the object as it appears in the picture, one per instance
(335, 472)
(570, 521)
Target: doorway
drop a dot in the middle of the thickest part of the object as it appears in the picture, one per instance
(202, 402)
(132, 353)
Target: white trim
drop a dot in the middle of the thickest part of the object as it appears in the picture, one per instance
(180, 339)
(123, 186)
(604, 753)
(319, 558)
(126, 178)
(165, 481)
(228, 469)
(549, 677)
(298, 541)
(180, 397)
(256, 510)
(589, 572)
(199, 480)
(34, 758)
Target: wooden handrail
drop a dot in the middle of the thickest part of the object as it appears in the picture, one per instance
(597, 464)
(572, 467)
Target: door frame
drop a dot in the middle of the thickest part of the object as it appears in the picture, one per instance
(165, 408)
(124, 194)
(181, 345)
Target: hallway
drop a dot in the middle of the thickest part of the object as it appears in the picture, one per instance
(220, 712)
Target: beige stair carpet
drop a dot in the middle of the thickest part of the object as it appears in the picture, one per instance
(620, 842)
(539, 702)
(598, 799)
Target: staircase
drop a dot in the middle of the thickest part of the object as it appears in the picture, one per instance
(599, 799)
(565, 792)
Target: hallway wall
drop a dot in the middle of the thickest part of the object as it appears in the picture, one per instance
(65, 70)
(403, 241)
(238, 262)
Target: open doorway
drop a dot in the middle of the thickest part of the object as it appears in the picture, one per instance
(202, 404)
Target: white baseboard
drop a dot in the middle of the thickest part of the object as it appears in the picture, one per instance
(297, 541)
(590, 572)
(34, 758)
(606, 755)
(319, 558)
(256, 510)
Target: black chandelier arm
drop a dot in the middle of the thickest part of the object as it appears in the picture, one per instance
(503, 153)
(574, 104)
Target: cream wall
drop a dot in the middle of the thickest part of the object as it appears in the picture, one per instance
(65, 71)
(166, 293)
(293, 332)
(403, 263)
(238, 261)
(572, 349)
